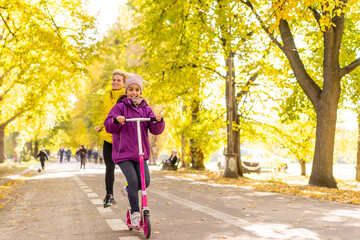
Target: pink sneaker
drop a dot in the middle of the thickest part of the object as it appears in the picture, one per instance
(135, 219)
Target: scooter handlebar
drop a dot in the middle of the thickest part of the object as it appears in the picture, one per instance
(153, 119)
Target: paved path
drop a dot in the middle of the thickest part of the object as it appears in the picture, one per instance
(65, 202)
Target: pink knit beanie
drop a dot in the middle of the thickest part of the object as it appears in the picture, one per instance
(136, 79)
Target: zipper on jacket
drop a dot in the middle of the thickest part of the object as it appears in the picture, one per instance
(119, 145)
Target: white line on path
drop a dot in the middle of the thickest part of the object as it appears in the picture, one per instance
(96, 201)
(217, 214)
(116, 224)
(92, 194)
(267, 229)
(129, 238)
(104, 211)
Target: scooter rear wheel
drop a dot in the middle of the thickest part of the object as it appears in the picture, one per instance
(128, 220)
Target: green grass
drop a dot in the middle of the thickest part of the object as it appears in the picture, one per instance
(8, 168)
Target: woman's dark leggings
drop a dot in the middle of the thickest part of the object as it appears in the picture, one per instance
(110, 167)
(131, 170)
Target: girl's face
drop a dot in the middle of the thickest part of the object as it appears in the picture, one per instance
(117, 82)
(133, 91)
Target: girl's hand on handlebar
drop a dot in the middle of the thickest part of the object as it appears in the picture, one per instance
(158, 117)
(121, 119)
(98, 129)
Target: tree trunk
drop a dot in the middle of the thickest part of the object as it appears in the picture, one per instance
(29, 149)
(183, 145)
(231, 158)
(14, 138)
(358, 153)
(197, 155)
(303, 167)
(326, 114)
(154, 153)
(2, 143)
(237, 146)
(36, 148)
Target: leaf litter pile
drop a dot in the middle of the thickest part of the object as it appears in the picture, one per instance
(283, 183)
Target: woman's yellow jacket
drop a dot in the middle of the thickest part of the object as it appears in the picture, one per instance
(110, 100)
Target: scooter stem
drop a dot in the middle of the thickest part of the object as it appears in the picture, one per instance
(141, 156)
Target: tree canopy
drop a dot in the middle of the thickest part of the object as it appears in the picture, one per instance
(45, 47)
(221, 72)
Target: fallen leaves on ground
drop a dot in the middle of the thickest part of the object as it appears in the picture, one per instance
(286, 184)
(8, 168)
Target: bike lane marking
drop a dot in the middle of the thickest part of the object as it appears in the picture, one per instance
(268, 229)
(105, 211)
(92, 195)
(96, 201)
(129, 238)
(115, 224)
(212, 212)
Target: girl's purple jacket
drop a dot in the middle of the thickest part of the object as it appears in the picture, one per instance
(125, 141)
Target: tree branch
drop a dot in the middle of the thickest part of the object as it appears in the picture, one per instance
(247, 86)
(349, 68)
(192, 65)
(262, 24)
(6, 91)
(52, 20)
(317, 15)
(311, 89)
(7, 26)
(13, 117)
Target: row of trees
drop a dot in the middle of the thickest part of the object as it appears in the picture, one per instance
(237, 41)
(45, 47)
(219, 71)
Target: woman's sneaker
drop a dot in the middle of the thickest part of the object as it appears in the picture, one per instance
(124, 191)
(135, 219)
(109, 201)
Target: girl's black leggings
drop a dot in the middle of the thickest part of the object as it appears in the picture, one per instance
(110, 167)
(131, 170)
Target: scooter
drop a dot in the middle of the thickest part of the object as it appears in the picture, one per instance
(144, 210)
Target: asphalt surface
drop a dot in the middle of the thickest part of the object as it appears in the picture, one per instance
(65, 202)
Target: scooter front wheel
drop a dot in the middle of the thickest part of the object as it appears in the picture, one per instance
(147, 226)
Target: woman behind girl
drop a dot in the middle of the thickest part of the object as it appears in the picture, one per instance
(125, 151)
(110, 99)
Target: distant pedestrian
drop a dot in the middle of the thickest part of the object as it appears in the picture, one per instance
(95, 154)
(61, 153)
(82, 154)
(43, 156)
(89, 152)
(68, 154)
(77, 155)
(101, 156)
